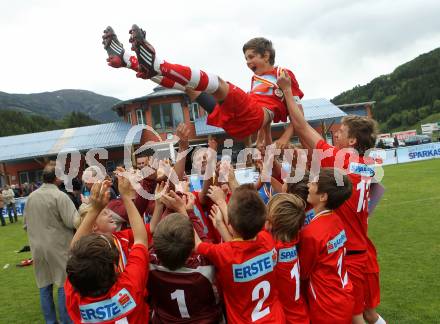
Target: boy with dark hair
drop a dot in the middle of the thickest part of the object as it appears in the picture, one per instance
(301, 189)
(284, 220)
(181, 284)
(95, 290)
(322, 251)
(238, 113)
(245, 265)
(355, 136)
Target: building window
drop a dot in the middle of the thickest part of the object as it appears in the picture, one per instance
(140, 117)
(166, 116)
(23, 177)
(30, 176)
(129, 117)
(194, 111)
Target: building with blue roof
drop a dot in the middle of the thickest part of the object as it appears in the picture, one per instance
(22, 157)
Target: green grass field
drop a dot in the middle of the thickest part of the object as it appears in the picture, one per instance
(404, 228)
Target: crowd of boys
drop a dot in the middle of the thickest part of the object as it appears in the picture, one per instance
(274, 251)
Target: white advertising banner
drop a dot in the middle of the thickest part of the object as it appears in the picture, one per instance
(418, 152)
(19, 206)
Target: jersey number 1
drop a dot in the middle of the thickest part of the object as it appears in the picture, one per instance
(294, 273)
(345, 279)
(363, 187)
(179, 295)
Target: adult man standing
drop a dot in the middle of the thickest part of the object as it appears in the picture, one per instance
(9, 202)
(49, 217)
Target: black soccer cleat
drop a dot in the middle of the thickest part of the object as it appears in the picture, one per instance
(144, 51)
(114, 48)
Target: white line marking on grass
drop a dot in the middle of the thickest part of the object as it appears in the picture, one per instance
(410, 201)
(6, 266)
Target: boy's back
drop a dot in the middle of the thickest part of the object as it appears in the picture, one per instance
(288, 282)
(247, 277)
(322, 254)
(124, 300)
(185, 295)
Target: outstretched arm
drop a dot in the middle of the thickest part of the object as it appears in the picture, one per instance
(158, 206)
(218, 220)
(284, 139)
(307, 133)
(99, 198)
(203, 198)
(136, 221)
(183, 133)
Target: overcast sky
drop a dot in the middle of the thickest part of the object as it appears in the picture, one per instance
(331, 46)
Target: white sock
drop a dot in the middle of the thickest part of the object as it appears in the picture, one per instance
(156, 64)
(126, 58)
(380, 320)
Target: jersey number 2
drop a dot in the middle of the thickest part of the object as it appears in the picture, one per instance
(258, 313)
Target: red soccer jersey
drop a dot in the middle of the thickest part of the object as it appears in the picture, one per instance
(247, 277)
(288, 283)
(124, 241)
(185, 295)
(322, 251)
(265, 90)
(124, 300)
(354, 211)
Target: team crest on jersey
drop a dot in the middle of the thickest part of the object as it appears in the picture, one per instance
(255, 267)
(336, 243)
(287, 254)
(113, 308)
(279, 93)
(361, 169)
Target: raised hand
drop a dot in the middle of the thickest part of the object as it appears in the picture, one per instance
(216, 194)
(182, 132)
(99, 195)
(284, 81)
(174, 202)
(190, 200)
(216, 216)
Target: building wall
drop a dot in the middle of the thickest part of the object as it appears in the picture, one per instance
(146, 107)
(12, 170)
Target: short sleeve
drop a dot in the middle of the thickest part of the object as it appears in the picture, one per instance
(296, 91)
(329, 151)
(211, 251)
(136, 271)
